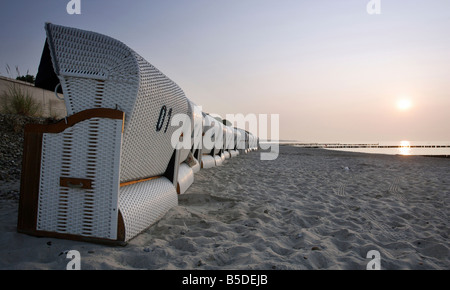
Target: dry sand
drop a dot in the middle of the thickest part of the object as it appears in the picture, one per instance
(309, 209)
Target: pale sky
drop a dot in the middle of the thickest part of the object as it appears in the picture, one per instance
(332, 71)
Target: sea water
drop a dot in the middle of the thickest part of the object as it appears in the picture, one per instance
(432, 148)
(406, 148)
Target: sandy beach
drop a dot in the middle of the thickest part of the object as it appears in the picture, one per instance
(308, 209)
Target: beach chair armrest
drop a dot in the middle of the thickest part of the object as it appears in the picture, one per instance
(70, 177)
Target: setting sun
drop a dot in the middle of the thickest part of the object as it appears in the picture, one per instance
(404, 104)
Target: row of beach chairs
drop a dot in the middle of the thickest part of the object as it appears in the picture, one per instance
(116, 164)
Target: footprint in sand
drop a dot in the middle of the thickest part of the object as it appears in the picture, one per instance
(384, 229)
(341, 190)
(395, 190)
(349, 177)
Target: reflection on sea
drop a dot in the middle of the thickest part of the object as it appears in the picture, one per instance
(405, 148)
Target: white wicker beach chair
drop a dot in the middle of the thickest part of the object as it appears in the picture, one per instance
(208, 150)
(228, 141)
(185, 171)
(188, 163)
(108, 171)
(197, 136)
(219, 142)
(252, 142)
(236, 136)
(256, 143)
(243, 141)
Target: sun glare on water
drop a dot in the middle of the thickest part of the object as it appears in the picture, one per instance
(405, 148)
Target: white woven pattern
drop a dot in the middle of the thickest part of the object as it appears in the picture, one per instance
(84, 93)
(98, 71)
(155, 91)
(88, 150)
(142, 204)
(94, 70)
(92, 62)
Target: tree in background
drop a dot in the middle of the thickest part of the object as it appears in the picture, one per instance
(26, 78)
